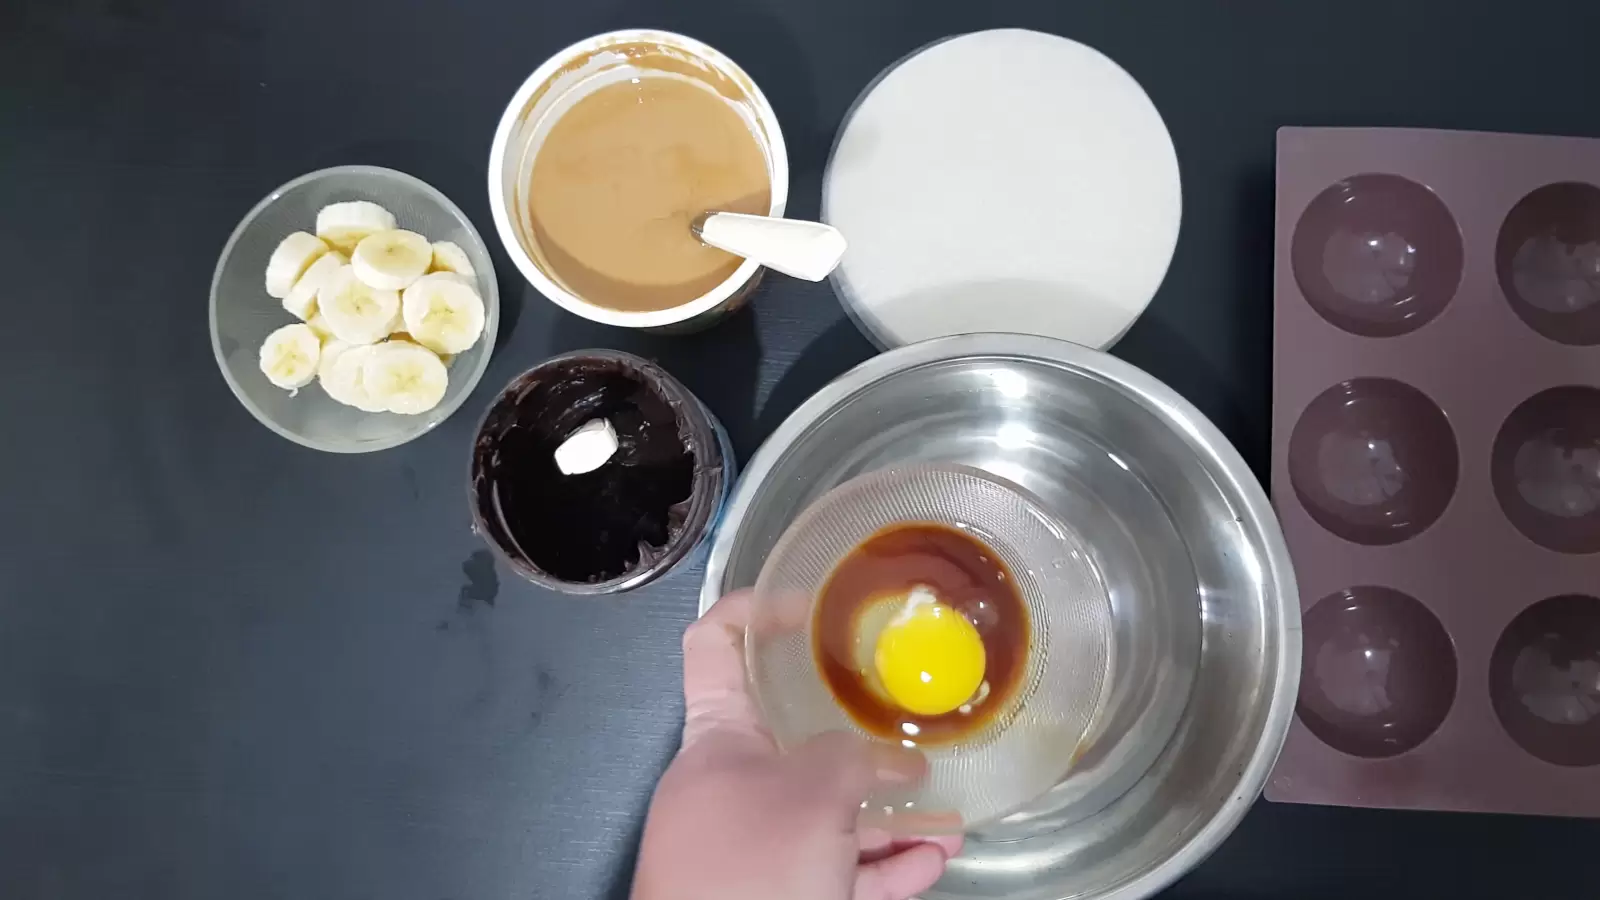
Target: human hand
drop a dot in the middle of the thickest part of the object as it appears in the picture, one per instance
(734, 819)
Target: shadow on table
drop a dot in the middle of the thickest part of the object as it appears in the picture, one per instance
(621, 885)
(1236, 394)
(842, 346)
(1163, 351)
(839, 348)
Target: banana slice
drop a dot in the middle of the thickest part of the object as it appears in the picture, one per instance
(301, 301)
(344, 224)
(289, 356)
(448, 257)
(342, 375)
(332, 349)
(443, 312)
(404, 377)
(403, 335)
(392, 260)
(290, 260)
(355, 312)
(318, 323)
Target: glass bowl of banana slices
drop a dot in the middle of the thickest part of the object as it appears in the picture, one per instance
(353, 309)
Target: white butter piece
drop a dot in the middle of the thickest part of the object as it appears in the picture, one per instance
(588, 448)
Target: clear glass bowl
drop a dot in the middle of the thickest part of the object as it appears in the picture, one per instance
(242, 314)
(1028, 746)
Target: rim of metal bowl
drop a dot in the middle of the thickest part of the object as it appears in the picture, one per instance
(491, 302)
(1171, 407)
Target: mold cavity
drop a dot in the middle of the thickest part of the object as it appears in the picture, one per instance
(1377, 255)
(1379, 672)
(1373, 460)
(1547, 259)
(1545, 468)
(1544, 680)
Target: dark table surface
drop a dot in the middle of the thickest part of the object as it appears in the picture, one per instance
(234, 667)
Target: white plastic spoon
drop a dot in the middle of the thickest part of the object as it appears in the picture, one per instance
(808, 250)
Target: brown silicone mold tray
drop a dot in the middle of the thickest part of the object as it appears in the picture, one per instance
(1436, 465)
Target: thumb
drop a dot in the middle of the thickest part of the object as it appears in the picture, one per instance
(841, 769)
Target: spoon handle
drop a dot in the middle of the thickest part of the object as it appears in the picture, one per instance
(808, 250)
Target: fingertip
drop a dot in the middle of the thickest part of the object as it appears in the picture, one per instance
(951, 844)
(732, 610)
(901, 876)
(876, 843)
(721, 629)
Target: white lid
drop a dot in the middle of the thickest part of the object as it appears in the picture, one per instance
(588, 448)
(1003, 180)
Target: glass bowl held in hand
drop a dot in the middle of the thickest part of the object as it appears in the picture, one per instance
(1026, 746)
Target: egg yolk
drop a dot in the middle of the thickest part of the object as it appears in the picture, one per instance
(929, 658)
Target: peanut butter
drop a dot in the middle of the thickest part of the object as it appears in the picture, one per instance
(620, 179)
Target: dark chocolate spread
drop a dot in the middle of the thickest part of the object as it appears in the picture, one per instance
(601, 525)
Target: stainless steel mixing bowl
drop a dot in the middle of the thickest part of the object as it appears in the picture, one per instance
(1207, 623)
